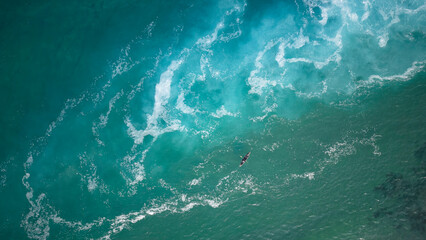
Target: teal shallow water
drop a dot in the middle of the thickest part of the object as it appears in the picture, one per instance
(129, 120)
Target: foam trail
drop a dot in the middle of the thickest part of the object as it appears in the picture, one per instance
(162, 91)
(178, 204)
(223, 112)
(256, 83)
(207, 41)
(161, 98)
(324, 16)
(415, 68)
(280, 55)
(125, 63)
(367, 7)
(155, 131)
(182, 106)
(103, 118)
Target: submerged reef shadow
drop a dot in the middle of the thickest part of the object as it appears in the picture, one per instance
(405, 196)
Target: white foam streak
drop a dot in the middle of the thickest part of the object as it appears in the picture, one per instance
(256, 83)
(149, 74)
(314, 94)
(195, 181)
(38, 229)
(267, 110)
(207, 41)
(161, 98)
(415, 68)
(180, 105)
(3, 171)
(324, 16)
(411, 11)
(162, 91)
(367, 7)
(70, 104)
(103, 118)
(154, 131)
(300, 41)
(280, 55)
(189, 206)
(340, 149)
(124, 63)
(172, 205)
(136, 170)
(308, 175)
(223, 112)
(77, 225)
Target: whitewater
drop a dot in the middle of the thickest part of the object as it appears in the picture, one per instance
(328, 96)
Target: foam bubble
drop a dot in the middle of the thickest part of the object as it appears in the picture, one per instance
(92, 184)
(195, 181)
(3, 177)
(308, 175)
(271, 147)
(29, 162)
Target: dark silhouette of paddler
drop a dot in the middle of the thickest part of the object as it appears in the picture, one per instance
(245, 159)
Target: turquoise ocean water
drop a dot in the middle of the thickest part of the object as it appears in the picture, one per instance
(128, 119)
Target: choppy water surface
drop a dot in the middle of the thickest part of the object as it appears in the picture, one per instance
(148, 107)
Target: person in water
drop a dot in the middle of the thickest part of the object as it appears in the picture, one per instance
(245, 158)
